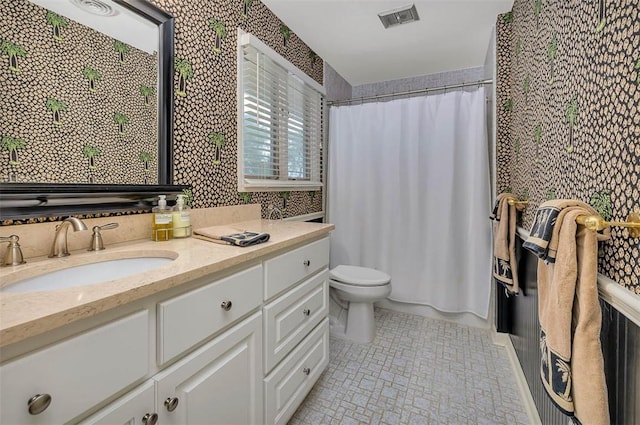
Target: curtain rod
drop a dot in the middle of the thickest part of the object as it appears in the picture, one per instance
(406, 93)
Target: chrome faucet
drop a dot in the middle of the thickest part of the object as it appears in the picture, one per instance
(59, 247)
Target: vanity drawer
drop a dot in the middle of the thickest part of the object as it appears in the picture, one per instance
(291, 381)
(289, 318)
(186, 320)
(285, 270)
(77, 373)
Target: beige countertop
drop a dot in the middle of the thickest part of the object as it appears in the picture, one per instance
(23, 315)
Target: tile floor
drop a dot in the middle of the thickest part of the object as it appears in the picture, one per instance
(417, 371)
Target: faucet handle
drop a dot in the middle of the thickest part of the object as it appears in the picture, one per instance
(96, 239)
(14, 253)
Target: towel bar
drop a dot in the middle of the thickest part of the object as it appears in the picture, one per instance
(595, 222)
(518, 204)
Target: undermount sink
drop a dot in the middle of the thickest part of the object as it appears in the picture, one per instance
(91, 273)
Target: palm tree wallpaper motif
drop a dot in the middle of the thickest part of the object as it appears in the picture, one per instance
(57, 22)
(507, 18)
(188, 196)
(120, 119)
(516, 146)
(56, 106)
(145, 157)
(91, 153)
(221, 33)
(571, 114)
(312, 195)
(552, 52)
(313, 56)
(285, 198)
(185, 73)
(518, 49)
(551, 194)
(537, 136)
(526, 87)
(218, 141)
(602, 19)
(508, 105)
(245, 197)
(537, 8)
(286, 34)
(12, 145)
(121, 48)
(601, 202)
(147, 92)
(92, 76)
(14, 51)
(246, 5)
(638, 70)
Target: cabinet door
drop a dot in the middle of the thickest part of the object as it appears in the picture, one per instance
(220, 383)
(64, 380)
(135, 408)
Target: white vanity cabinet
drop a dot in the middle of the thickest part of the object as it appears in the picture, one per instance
(220, 383)
(296, 327)
(137, 407)
(56, 384)
(242, 348)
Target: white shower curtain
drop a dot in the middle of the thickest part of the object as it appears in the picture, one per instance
(409, 195)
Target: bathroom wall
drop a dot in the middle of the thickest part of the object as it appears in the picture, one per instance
(567, 113)
(56, 126)
(439, 79)
(337, 87)
(209, 103)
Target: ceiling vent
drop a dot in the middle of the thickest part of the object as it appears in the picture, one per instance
(399, 16)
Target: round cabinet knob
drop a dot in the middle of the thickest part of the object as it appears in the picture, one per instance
(38, 403)
(306, 371)
(306, 312)
(171, 403)
(226, 305)
(307, 263)
(150, 418)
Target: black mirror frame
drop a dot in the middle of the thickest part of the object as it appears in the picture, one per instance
(19, 201)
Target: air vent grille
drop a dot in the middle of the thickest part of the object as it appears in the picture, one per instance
(399, 16)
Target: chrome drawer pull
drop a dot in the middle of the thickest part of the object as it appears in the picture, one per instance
(171, 403)
(306, 312)
(38, 403)
(150, 419)
(226, 305)
(307, 263)
(306, 371)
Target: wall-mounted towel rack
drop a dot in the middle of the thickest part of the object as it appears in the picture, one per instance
(517, 203)
(595, 223)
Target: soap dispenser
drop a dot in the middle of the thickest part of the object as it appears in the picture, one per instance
(181, 219)
(162, 220)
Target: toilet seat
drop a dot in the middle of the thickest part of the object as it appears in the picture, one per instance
(359, 276)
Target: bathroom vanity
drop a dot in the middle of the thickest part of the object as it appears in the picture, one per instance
(220, 335)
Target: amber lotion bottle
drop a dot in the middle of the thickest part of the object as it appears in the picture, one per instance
(162, 220)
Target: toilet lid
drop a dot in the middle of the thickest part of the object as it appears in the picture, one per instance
(361, 276)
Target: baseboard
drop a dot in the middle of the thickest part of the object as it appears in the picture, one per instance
(503, 340)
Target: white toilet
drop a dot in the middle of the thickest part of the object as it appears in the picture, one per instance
(360, 287)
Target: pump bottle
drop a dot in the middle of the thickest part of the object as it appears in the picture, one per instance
(181, 219)
(162, 221)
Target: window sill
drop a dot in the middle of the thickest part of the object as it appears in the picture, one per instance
(251, 185)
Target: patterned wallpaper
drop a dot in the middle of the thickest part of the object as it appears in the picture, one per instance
(205, 130)
(78, 106)
(568, 97)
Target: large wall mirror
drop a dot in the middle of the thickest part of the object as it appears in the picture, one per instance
(87, 105)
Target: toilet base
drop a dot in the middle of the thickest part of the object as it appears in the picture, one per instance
(361, 326)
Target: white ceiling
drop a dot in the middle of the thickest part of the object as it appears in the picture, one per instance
(124, 25)
(348, 35)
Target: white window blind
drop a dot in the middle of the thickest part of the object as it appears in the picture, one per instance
(280, 122)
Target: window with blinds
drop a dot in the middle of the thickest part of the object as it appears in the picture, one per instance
(280, 121)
